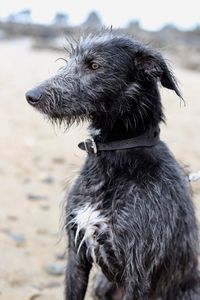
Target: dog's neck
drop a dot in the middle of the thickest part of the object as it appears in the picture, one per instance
(101, 130)
(135, 122)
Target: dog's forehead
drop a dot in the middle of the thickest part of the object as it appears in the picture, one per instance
(103, 43)
(90, 41)
(92, 44)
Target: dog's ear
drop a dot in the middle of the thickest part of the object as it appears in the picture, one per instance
(152, 65)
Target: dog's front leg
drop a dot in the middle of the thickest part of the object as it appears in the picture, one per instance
(77, 273)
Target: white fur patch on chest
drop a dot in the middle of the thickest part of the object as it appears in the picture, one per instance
(91, 222)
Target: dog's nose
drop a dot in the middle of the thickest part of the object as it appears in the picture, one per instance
(33, 96)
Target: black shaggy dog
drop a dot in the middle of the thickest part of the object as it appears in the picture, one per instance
(130, 210)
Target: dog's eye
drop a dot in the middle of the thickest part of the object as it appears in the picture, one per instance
(94, 66)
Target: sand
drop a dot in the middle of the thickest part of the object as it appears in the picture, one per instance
(38, 162)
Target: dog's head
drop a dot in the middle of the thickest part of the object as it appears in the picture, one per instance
(107, 76)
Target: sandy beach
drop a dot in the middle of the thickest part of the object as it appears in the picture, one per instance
(38, 162)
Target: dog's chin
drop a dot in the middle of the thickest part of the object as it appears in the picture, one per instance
(58, 119)
(66, 120)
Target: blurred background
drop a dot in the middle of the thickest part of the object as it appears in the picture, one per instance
(38, 161)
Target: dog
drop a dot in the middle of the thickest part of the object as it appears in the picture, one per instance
(130, 209)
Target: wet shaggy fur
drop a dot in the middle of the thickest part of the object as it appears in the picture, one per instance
(129, 211)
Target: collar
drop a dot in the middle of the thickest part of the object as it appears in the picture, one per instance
(150, 138)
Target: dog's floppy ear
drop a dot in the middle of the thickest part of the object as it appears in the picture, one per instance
(152, 65)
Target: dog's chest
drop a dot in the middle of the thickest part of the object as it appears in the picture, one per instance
(90, 224)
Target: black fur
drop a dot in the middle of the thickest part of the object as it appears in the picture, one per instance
(147, 244)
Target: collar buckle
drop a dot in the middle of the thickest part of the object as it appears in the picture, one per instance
(90, 145)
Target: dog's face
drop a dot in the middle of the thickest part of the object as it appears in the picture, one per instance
(105, 75)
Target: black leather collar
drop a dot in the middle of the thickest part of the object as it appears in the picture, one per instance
(150, 138)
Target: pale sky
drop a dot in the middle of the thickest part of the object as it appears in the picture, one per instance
(152, 14)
